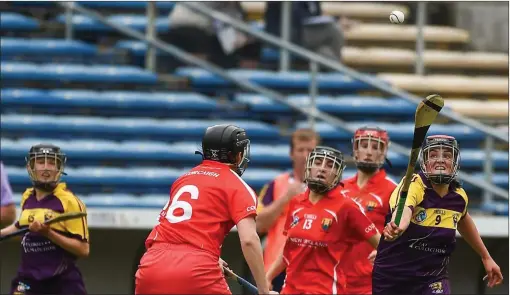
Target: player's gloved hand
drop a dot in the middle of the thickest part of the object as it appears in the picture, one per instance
(372, 255)
(494, 275)
(222, 264)
(392, 231)
(38, 227)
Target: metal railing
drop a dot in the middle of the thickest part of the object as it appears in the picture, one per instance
(311, 111)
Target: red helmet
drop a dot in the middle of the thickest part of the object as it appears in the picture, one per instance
(370, 146)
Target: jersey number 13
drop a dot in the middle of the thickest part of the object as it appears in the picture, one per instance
(168, 210)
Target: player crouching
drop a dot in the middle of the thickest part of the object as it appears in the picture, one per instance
(322, 225)
(49, 252)
(413, 257)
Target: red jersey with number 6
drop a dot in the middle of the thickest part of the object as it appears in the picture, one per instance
(205, 203)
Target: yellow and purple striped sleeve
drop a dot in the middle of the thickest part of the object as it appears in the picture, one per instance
(77, 227)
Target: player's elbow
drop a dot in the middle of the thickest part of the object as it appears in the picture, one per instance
(249, 239)
(83, 250)
(250, 242)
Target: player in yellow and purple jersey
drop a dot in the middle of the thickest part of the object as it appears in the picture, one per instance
(413, 257)
(49, 252)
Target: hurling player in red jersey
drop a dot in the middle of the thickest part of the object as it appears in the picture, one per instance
(371, 188)
(322, 225)
(183, 250)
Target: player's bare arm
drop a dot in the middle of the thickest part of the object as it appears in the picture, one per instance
(374, 240)
(276, 268)
(469, 232)
(8, 230)
(252, 251)
(268, 215)
(72, 245)
(392, 231)
(7, 215)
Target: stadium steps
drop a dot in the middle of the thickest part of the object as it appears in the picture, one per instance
(138, 180)
(143, 130)
(363, 11)
(176, 153)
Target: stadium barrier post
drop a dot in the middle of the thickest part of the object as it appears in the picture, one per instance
(420, 40)
(150, 54)
(313, 91)
(285, 33)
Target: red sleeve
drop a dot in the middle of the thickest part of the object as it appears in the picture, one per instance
(289, 219)
(358, 221)
(242, 201)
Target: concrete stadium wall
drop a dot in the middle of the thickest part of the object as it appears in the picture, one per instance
(109, 268)
(487, 23)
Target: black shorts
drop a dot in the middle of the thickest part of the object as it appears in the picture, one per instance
(57, 285)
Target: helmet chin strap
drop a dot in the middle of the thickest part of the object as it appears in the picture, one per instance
(367, 169)
(45, 186)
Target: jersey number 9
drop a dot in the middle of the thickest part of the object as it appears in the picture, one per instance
(168, 210)
(438, 219)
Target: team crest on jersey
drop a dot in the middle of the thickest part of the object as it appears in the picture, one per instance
(48, 215)
(326, 223)
(21, 289)
(455, 220)
(421, 216)
(294, 221)
(371, 206)
(437, 288)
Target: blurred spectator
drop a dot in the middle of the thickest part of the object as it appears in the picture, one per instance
(309, 28)
(7, 207)
(212, 40)
(276, 195)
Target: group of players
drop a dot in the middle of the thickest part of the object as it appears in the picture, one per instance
(325, 235)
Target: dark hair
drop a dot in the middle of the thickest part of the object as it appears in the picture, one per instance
(456, 183)
(304, 134)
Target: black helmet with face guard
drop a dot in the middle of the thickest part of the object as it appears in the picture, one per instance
(319, 159)
(222, 143)
(45, 152)
(440, 148)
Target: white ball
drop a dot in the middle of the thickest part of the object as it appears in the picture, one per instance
(397, 17)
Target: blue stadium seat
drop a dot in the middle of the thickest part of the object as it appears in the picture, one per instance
(75, 73)
(81, 151)
(401, 132)
(137, 180)
(130, 102)
(269, 54)
(162, 130)
(20, 46)
(498, 179)
(124, 201)
(339, 105)
(109, 200)
(136, 48)
(284, 80)
(82, 23)
(163, 7)
(497, 208)
(470, 159)
(32, 3)
(11, 21)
